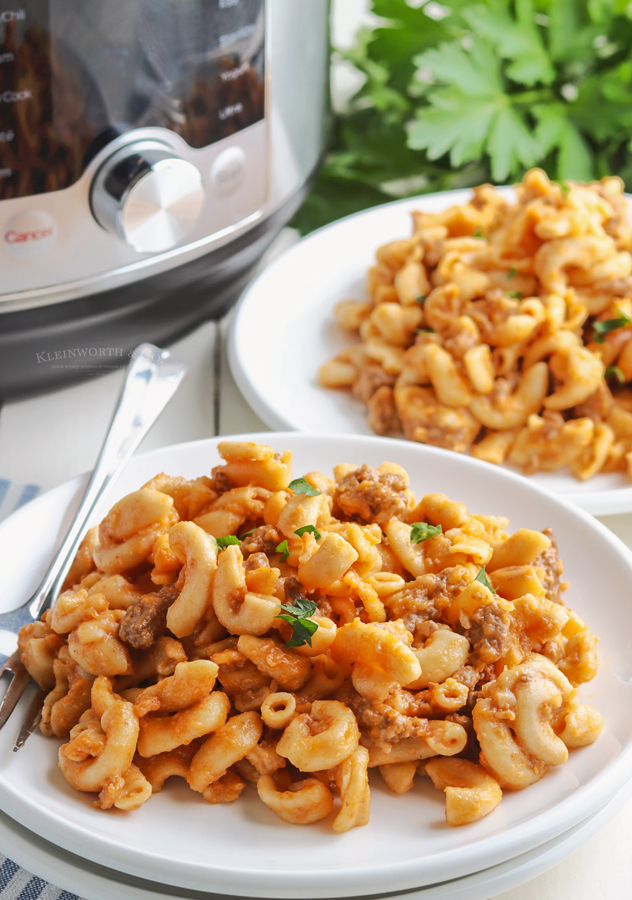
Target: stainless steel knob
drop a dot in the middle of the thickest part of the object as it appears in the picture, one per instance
(147, 196)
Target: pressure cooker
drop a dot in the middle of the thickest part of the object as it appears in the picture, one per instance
(149, 154)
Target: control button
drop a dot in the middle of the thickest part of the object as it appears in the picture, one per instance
(147, 196)
(227, 172)
(29, 233)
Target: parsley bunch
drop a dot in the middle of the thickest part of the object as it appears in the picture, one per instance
(458, 92)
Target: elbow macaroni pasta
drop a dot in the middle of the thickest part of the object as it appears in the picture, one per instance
(503, 329)
(415, 665)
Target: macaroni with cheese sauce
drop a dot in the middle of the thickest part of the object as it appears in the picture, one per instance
(503, 329)
(252, 631)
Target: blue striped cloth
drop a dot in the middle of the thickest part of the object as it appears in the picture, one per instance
(16, 883)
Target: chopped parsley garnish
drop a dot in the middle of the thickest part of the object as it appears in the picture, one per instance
(297, 615)
(421, 299)
(615, 372)
(302, 486)
(424, 331)
(515, 295)
(223, 542)
(421, 531)
(565, 188)
(308, 529)
(478, 233)
(482, 577)
(246, 533)
(283, 549)
(512, 272)
(601, 329)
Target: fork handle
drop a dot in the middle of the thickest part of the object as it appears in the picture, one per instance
(152, 378)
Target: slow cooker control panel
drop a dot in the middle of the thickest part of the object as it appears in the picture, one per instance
(128, 129)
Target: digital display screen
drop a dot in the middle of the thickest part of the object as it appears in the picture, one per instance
(74, 74)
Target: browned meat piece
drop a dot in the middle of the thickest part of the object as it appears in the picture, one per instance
(370, 379)
(488, 633)
(468, 676)
(422, 601)
(264, 539)
(549, 568)
(145, 620)
(219, 480)
(382, 724)
(257, 561)
(246, 686)
(294, 590)
(598, 406)
(369, 495)
(382, 411)
(472, 748)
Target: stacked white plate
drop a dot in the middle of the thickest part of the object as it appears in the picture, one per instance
(178, 840)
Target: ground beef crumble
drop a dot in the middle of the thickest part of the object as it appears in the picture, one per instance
(264, 539)
(488, 633)
(145, 620)
(368, 495)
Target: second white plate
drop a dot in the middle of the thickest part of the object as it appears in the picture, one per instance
(283, 329)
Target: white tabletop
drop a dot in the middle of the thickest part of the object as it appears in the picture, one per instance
(46, 440)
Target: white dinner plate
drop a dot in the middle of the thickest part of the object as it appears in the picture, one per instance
(243, 848)
(93, 882)
(283, 329)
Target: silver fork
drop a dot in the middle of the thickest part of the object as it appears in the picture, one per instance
(152, 378)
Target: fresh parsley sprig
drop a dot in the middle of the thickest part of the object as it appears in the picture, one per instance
(482, 577)
(227, 540)
(421, 531)
(604, 327)
(284, 549)
(297, 615)
(302, 486)
(614, 372)
(308, 529)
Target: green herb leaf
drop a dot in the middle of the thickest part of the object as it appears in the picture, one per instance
(303, 629)
(301, 608)
(283, 549)
(421, 531)
(482, 577)
(297, 615)
(478, 233)
(470, 114)
(308, 529)
(512, 272)
(302, 486)
(223, 542)
(246, 533)
(527, 82)
(604, 327)
(421, 299)
(515, 295)
(516, 40)
(424, 331)
(615, 372)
